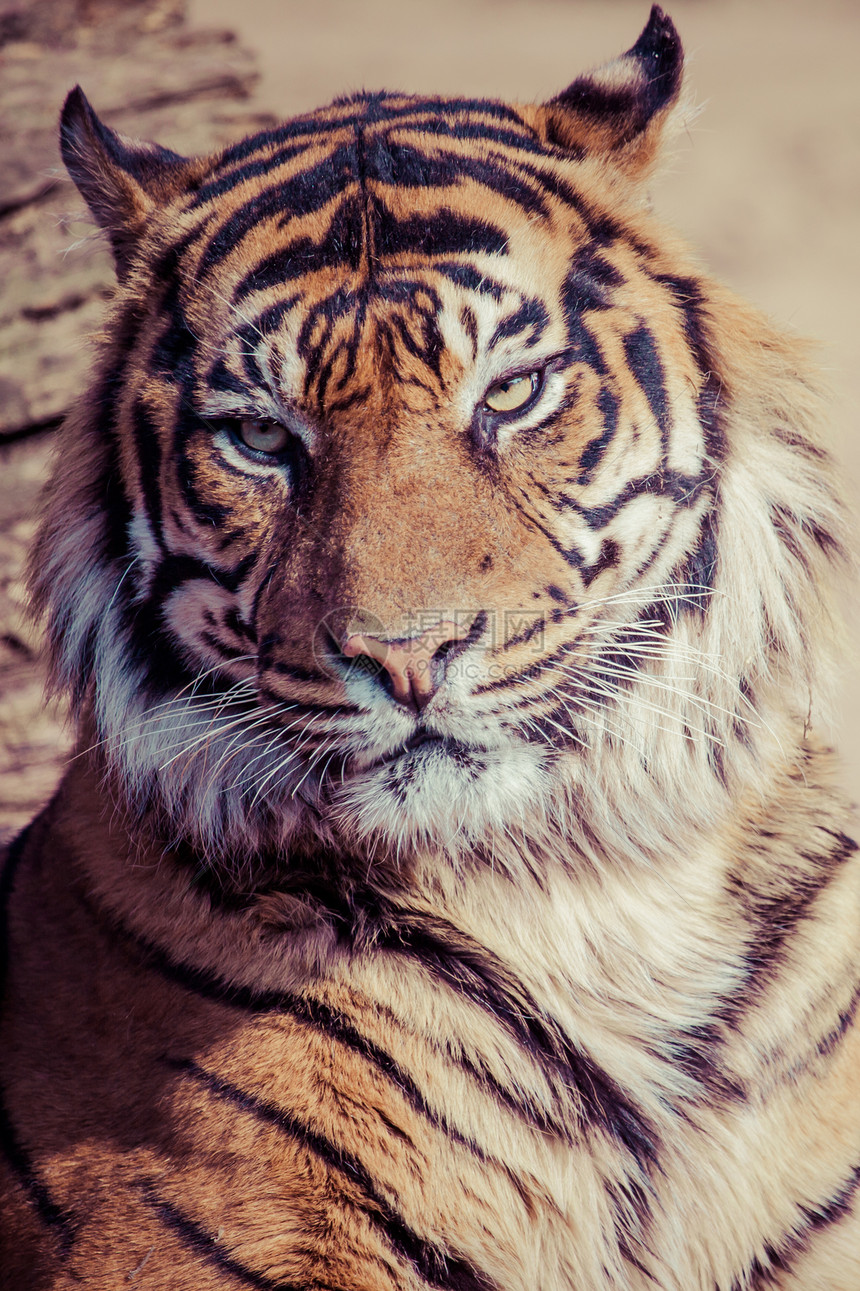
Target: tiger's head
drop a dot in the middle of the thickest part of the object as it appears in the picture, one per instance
(427, 495)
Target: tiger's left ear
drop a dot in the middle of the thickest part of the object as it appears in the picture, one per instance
(122, 180)
(620, 110)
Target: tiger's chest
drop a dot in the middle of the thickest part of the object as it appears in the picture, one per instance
(251, 1104)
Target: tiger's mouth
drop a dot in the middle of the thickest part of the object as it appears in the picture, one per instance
(423, 742)
(420, 740)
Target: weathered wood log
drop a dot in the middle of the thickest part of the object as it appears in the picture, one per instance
(189, 90)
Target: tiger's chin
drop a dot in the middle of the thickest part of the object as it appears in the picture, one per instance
(438, 793)
(429, 793)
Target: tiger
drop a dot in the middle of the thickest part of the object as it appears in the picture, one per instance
(451, 887)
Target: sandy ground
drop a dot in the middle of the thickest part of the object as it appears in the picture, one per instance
(765, 183)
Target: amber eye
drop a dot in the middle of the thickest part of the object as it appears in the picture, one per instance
(263, 436)
(511, 394)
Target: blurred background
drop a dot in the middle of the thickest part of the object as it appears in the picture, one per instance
(765, 184)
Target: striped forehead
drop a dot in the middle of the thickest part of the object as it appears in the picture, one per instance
(385, 204)
(405, 143)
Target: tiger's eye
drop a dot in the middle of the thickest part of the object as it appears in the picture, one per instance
(263, 436)
(511, 394)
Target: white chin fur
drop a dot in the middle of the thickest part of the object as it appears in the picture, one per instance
(434, 797)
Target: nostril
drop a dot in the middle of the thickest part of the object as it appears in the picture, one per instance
(415, 666)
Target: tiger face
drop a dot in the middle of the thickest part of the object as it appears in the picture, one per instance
(397, 496)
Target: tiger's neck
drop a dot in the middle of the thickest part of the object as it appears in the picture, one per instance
(645, 961)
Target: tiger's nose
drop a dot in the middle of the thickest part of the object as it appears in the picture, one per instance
(414, 664)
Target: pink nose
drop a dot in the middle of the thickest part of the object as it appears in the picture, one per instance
(409, 661)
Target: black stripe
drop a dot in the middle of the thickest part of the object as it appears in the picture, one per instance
(444, 232)
(402, 110)
(629, 1200)
(272, 316)
(298, 673)
(443, 126)
(173, 359)
(205, 1245)
(177, 569)
(794, 530)
(200, 503)
(368, 237)
(683, 490)
(774, 914)
(531, 314)
(690, 299)
(151, 646)
(607, 558)
(53, 1216)
(781, 1257)
(433, 1264)
(570, 555)
(368, 920)
(173, 351)
(696, 576)
(234, 623)
(557, 728)
(110, 489)
(799, 443)
(594, 450)
(644, 362)
(148, 449)
(659, 547)
(256, 168)
(584, 347)
(303, 193)
(320, 1016)
(428, 345)
(316, 330)
(535, 625)
(406, 165)
(548, 661)
(224, 650)
(480, 976)
(307, 127)
(589, 281)
(222, 379)
(313, 1013)
(388, 163)
(846, 1019)
(465, 275)
(360, 395)
(398, 111)
(340, 247)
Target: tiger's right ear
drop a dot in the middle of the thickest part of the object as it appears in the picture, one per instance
(121, 180)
